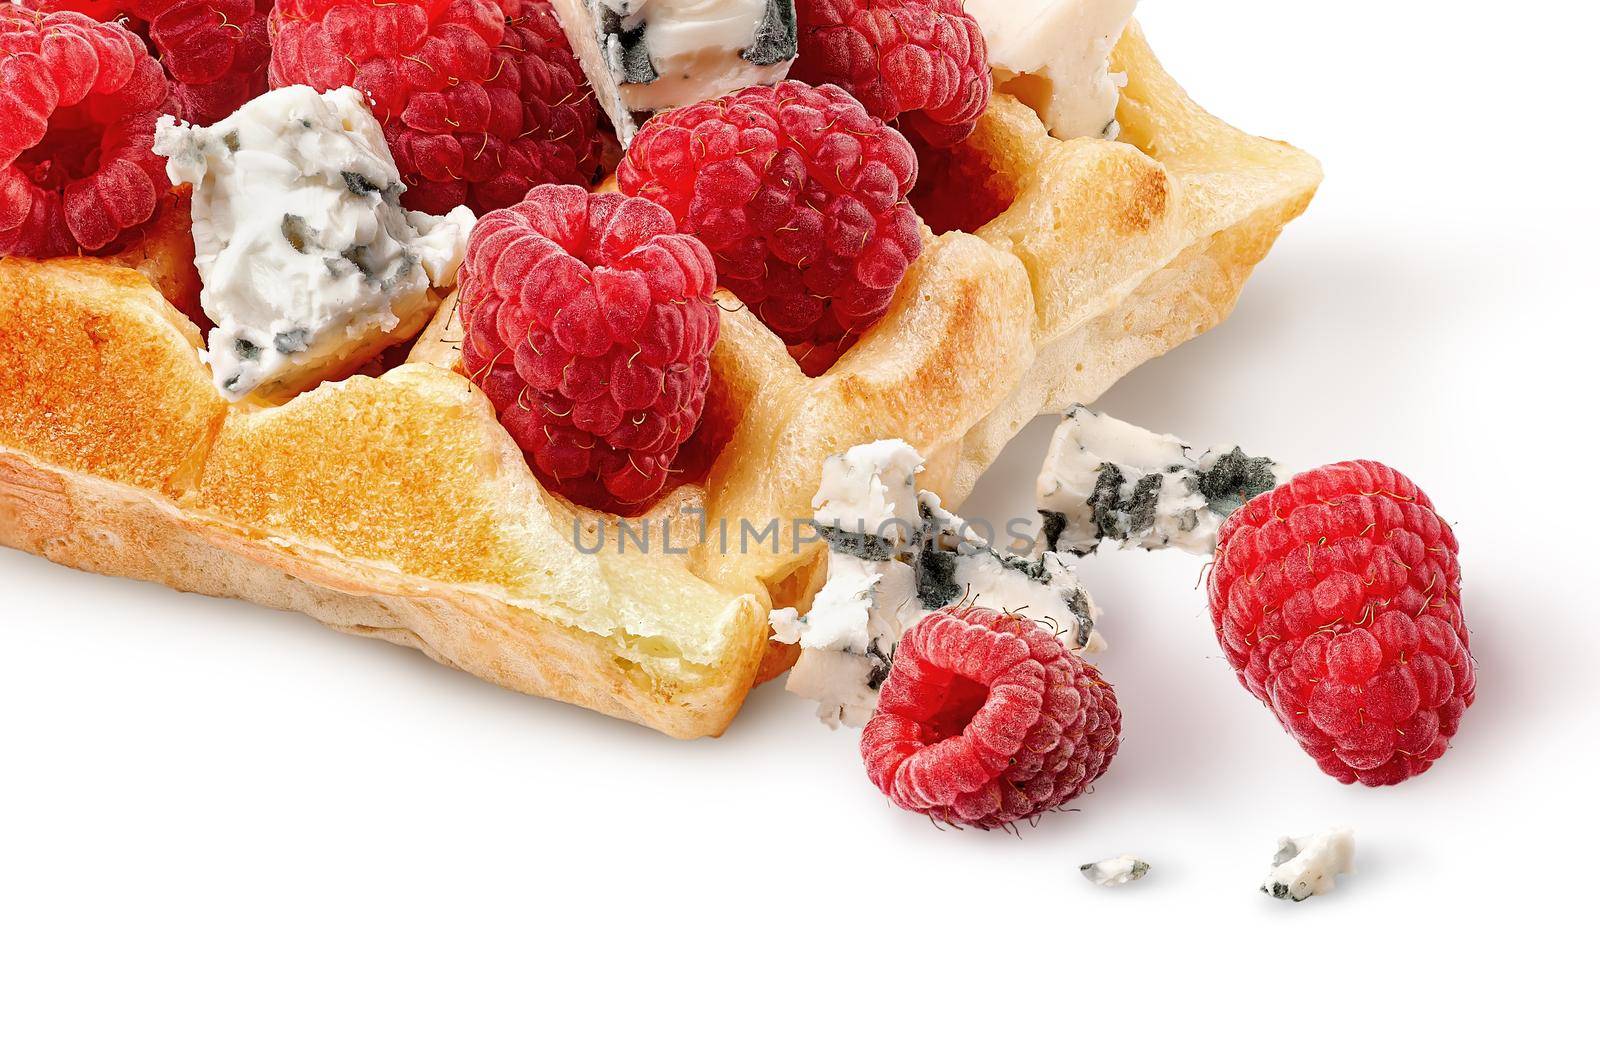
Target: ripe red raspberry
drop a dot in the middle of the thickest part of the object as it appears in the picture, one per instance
(589, 323)
(924, 59)
(215, 51)
(78, 106)
(480, 100)
(801, 197)
(1337, 598)
(986, 719)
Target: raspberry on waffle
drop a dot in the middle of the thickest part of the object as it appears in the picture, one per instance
(801, 197)
(921, 60)
(480, 100)
(78, 106)
(589, 322)
(215, 51)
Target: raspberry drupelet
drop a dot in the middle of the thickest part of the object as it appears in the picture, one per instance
(801, 197)
(480, 100)
(78, 106)
(986, 719)
(1337, 599)
(215, 51)
(589, 323)
(923, 62)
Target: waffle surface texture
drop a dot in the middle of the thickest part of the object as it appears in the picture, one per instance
(395, 506)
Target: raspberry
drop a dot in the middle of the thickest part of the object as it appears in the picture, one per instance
(480, 100)
(78, 107)
(1337, 599)
(960, 187)
(589, 323)
(986, 719)
(801, 197)
(922, 59)
(215, 51)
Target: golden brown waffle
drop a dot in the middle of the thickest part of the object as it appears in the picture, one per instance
(395, 506)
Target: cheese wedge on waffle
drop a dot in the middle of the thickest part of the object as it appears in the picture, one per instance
(395, 506)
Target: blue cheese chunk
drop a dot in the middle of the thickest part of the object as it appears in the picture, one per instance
(643, 56)
(895, 555)
(308, 263)
(1055, 56)
(871, 489)
(1105, 480)
(1306, 867)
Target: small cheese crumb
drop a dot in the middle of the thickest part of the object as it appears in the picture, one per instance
(1116, 871)
(1305, 867)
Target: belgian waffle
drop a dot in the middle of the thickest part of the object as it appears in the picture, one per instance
(393, 505)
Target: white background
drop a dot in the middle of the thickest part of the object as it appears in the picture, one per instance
(227, 834)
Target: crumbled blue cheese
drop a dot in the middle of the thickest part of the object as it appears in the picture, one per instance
(1306, 867)
(894, 556)
(643, 56)
(1116, 871)
(309, 264)
(1055, 56)
(870, 487)
(1107, 480)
